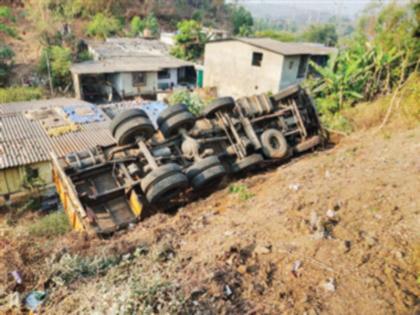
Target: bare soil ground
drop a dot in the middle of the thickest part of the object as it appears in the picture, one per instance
(333, 232)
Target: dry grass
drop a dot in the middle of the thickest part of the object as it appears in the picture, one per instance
(406, 112)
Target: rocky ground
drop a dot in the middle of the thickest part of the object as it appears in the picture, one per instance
(333, 232)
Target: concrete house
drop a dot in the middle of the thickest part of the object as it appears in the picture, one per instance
(128, 67)
(247, 66)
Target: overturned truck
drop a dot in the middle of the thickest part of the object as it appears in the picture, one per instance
(159, 163)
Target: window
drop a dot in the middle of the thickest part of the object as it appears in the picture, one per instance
(164, 74)
(302, 66)
(32, 173)
(139, 78)
(257, 59)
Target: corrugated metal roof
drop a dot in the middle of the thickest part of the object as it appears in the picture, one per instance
(23, 141)
(287, 49)
(129, 64)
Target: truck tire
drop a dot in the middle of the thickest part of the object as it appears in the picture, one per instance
(173, 124)
(126, 115)
(166, 188)
(138, 127)
(222, 104)
(209, 177)
(205, 172)
(274, 144)
(247, 162)
(158, 174)
(171, 111)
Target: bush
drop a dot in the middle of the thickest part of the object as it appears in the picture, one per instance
(53, 224)
(103, 26)
(137, 26)
(20, 94)
(241, 190)
(194, 103)
(190, 40)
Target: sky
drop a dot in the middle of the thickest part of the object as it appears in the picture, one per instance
(349, 7)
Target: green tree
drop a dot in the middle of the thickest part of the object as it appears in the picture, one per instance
(103, 26)
(59, 59)
(241, 19)
(321, 33)
(282, 36)
(190, 40)
(6, 53)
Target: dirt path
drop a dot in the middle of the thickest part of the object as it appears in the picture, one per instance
(335, 232)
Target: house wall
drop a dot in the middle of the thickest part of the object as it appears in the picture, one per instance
(290, 71)
(172, 79)
(228, 66)
(123, 84)
(13, 179)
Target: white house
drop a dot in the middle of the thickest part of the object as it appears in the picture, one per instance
(248, 66)
(128, 67)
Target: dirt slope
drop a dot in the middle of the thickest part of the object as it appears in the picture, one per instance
(334, 232)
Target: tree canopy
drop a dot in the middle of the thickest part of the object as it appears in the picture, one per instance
(190, 40)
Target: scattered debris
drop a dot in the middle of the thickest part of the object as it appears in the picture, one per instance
(295, 187)
(17, 276)
(329, 285)
(295, 268)
(35, 299)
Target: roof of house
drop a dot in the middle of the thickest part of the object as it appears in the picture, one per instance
(287, 49)
(128, 47)
(25, 141)
(129, 64)
(128, 55)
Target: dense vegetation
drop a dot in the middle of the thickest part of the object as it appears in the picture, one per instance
(376, 60)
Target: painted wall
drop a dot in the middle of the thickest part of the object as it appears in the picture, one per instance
(228, 66)
(290, 71)
(13, 179)
(123, 84)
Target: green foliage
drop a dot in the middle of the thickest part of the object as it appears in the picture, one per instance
(60, 59)
(321, 33)
(52, 224)
(241, 19)
(194, 103)
(282, 36)
(190, 40)
(6, 19)
(369, 66)
(84, 55)
(20, 94)
(103, 26)
(241, 190)
(6, 63)
(137, 26)
(152, 24)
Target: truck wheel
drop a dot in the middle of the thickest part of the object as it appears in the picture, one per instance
(205, 172)
(138, 127)
(173, 124)
(126, 115)
(171, 111)
(274, 144)
(222, 104)
(164, 183)
(247, 162)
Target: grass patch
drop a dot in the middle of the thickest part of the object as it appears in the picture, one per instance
(20, 94)
(53, 224)
(241, 190)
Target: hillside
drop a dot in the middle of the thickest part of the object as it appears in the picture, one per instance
(333, 232)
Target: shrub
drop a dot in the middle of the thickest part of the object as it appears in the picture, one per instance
(241, 190)
(194, 103)
(137, 26)
(103, 26)
(190, 40)
(20, 94)
(52, 224)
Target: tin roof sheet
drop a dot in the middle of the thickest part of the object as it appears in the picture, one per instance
(24, 141)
